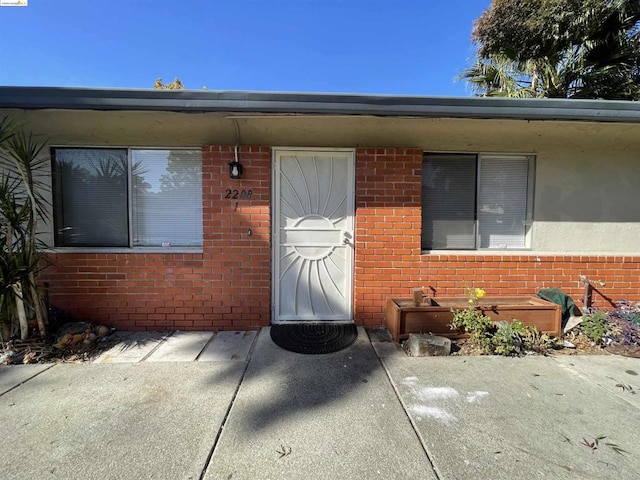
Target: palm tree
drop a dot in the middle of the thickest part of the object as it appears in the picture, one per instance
(498, 76)
(596, 55)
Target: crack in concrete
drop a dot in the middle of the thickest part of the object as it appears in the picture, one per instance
(216, 440)
(25, 381)
(406, 412)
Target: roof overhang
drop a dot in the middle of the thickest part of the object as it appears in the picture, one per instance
(321, 104)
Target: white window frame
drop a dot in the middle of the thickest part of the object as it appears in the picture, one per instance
(131, 248)
(529, 207)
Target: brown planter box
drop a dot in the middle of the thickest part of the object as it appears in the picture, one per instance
(434, 315)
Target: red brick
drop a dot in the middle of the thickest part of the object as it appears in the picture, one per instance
(228, 285)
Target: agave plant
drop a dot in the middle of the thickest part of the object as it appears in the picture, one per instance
(21, 206)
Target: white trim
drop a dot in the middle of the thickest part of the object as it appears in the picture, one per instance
(133, 251)
(531, 195)
(277, 152)
(130, 197)
(528, 253)
(477, 152)
(124, 147)
(275, 149)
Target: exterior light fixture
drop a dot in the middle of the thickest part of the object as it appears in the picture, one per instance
(235, 168)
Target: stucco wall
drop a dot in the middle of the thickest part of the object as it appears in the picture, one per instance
(586, 198)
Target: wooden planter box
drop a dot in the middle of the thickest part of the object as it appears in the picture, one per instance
(434, 315)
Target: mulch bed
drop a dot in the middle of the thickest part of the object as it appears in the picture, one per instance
(71, 342)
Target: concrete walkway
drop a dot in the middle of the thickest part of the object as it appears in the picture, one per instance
(235, 406)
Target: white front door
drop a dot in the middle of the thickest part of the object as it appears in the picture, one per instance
(313, 235)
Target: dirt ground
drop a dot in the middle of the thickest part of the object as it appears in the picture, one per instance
(82, 342)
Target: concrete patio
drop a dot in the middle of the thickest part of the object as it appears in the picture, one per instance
(235, 406)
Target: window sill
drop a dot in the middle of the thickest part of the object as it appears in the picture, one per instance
(488, 251)
(135, 250)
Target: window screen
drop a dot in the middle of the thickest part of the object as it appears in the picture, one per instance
(448, 201)
(474, 201)
(90, 197)
(100, 192)
(167, 197)
(502, 202)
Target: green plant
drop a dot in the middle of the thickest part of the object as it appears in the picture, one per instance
(505, 338)
(595, 326)
(471, 320)
(21, 206)
(478, 326)
(509, 338)
(537, 342)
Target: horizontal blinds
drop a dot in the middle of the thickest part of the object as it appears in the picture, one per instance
(91, 197)
(448, 201)
(167, 197)
(502, 201)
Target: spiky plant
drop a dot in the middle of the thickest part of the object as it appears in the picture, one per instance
(22, 204)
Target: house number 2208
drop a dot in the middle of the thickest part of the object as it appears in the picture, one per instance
(238, 194)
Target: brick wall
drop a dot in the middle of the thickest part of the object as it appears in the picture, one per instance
(228, 285)
(225, 287)
(526, 274)
(388, 225)
(389, 263)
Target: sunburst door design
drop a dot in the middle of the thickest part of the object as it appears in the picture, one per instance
(313, 236)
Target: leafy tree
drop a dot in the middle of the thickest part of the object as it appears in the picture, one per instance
(175, 85)
(558, 48)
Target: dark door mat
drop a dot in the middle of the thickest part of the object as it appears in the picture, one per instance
(313, 339)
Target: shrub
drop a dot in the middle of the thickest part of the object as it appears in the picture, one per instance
(478, 326)
(508, 338)
(505, 338)
(595, 326)
(626, 319)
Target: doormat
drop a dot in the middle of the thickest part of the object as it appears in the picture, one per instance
(314, 339)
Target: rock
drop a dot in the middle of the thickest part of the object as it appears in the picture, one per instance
(568, 344)
(7, 357)
(74, 328)
(102, 331)
(572, 323)
(421, 345)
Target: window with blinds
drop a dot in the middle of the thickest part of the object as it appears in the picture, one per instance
(106, 197)
(475, 201)
(167, 197)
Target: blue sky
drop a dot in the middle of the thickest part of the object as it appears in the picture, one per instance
(359, 46)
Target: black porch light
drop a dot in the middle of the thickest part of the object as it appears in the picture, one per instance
(235, 168)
